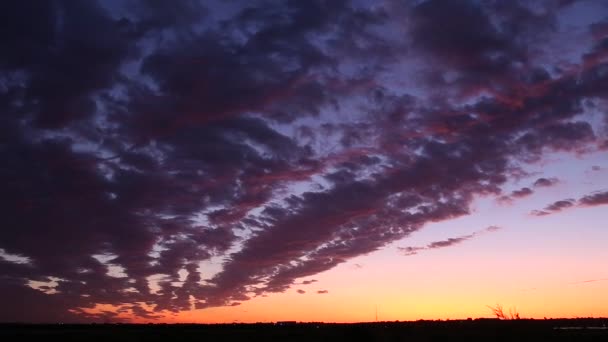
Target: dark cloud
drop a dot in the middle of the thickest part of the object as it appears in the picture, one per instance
(63, 57)
(560, 205)
(523, 192)
(300, 291)
(598, 198)
(590, 200)
(446, 243)
(527, 191)
(322, 291)
(411, 250)
(466, 37)
(545, 182)
(142, 140)
(556, 136)
(515, 194)
(23, 304)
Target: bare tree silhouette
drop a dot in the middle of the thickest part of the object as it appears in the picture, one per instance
(499, 312)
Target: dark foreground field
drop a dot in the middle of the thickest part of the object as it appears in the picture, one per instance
(469, 330)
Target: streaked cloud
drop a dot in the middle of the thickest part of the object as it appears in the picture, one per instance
(447, 242)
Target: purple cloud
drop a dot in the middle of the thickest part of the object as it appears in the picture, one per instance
(527, 191)
(560, 205)
(446, 243)
(593, 199)
(539, 213)
(523, 192)
(411, 250)
(597, 198)
(545, 182)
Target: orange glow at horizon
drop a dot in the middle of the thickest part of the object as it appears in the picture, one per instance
(430, 305)
(551, 267)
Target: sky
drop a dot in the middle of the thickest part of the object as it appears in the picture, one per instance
(339, 161)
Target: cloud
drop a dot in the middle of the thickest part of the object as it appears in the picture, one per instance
(322, 292)
(300, 291)
(589, 281)
(545, 182)
(539, 213)
(527, 191)
(411, 250)
(446, 243)
(590, 200)
(555, 207)
(523, 192)
(560, 205)
(272, 137)
(597, 198)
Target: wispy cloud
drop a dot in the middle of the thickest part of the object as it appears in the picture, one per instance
(527, 191)
(593, 199)
(446, 243)
(589, 281)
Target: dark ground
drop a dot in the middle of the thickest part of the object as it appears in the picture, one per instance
(469, 330)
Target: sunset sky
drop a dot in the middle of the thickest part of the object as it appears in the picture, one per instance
(309, 160)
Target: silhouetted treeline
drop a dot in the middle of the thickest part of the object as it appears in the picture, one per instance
(586, 329)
